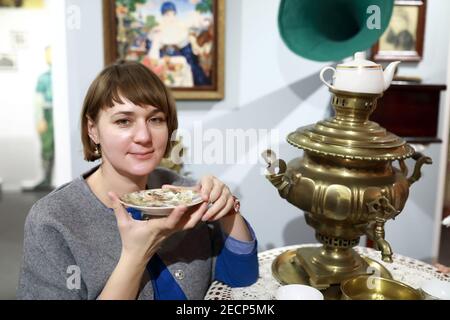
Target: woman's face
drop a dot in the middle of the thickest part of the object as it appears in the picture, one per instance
(133, 139)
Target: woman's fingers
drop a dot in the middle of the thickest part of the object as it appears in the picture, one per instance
(180, 219)
(222, 213)
(195, 217)
(197, 187)
(207, 183)
(215, 208)
(174, 217)
(122, 215)
(213, 191)
(217, 190)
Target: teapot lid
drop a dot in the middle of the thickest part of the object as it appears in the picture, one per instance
(359, 61)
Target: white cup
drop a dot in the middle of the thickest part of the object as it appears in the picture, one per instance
(298, 292)
(437, 288)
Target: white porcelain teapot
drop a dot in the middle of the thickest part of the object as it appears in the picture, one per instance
(360, 75)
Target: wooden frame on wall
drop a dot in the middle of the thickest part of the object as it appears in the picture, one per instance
(194, 70)
(403, 40)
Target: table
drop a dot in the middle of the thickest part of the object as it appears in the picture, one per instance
(408, 270)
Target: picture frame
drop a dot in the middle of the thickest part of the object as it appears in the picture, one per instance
(182, 41)
(403, 40)
(10, 3)
(8, 61)
(22, 4)
(19, 39)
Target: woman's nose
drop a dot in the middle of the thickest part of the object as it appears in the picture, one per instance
(142, 134)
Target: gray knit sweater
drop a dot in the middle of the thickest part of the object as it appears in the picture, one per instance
(72, 245)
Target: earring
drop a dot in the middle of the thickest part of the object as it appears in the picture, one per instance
(97, 150)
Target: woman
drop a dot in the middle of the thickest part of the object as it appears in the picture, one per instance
(77, 247)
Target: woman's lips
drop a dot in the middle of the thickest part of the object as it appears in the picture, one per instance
(142, 155)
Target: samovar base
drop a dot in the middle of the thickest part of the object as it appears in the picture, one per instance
(327, 266)
(287, 269)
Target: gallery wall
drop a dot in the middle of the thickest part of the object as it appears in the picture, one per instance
(267, 87)
(19, 142)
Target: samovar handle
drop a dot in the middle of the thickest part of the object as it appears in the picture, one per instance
(277, 179)
(420, 161)
(273, 163)
(403, 167)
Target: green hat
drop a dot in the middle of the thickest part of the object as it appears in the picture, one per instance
(330, 30)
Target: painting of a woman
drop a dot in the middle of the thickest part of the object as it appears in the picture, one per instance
(172, 38)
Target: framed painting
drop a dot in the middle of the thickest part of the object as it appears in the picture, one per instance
(403, 39)
(182, 41)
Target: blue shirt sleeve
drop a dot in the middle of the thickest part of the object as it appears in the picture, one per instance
(237, 262)
(238, 246)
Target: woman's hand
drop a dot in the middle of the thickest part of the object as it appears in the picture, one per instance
(141, 239)
(217, 194)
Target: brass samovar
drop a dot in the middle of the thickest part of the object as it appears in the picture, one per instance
(351, 179)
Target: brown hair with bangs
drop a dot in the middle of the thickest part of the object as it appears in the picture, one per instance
(130, 80)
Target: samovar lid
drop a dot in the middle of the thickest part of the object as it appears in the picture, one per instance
(350, 134)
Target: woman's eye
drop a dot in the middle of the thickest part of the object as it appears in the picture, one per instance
(123, 122)
(157, 120)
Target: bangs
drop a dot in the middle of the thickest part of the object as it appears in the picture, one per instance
(137, 84)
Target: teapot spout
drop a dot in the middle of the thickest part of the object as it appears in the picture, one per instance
(388, 73)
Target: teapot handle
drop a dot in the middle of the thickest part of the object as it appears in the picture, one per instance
(322, 73)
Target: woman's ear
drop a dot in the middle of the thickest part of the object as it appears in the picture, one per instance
(92, 130)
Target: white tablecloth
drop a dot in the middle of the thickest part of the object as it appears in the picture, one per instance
(407, 270)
